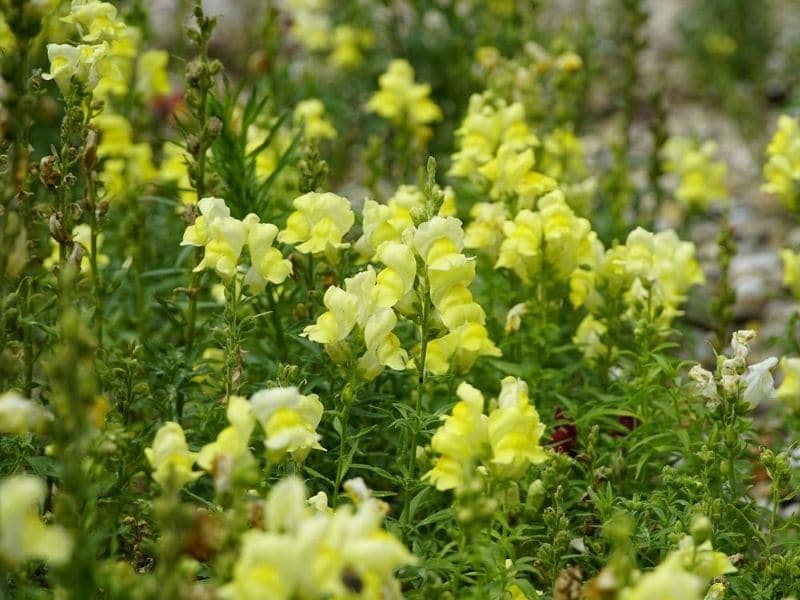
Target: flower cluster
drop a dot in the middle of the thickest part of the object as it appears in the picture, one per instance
(103, 61)
(552, 238)
(496, 151)
(448, 273)
(310, 115)
(366, 303)
(126, 165)
(387, 222)
(406, 104)
(562, 158)
(782, 169)
(319, 223)
(505, 442)
(224, 238)
(289, 421)
(684, 573)
(427, 259)
(700, 179)
(307, 550)
(23, 536)
(651, 274)
(734, 379)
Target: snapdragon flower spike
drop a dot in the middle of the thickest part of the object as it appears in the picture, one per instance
(700, 179)
(489, 124)
(224, 238)
(505, 442)
(782, 169)
(364, 304)
(439, 242)
(403, 102)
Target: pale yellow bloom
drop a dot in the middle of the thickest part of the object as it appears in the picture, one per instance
(23, 536)
(782, 169)
(791, 271)
(289, 420)
(403, 102)
(461, 440)
(152, 79)
(319, 223)
(231, 450)
(789, 391)
(19, 415)
(95, 20)
(310, 114)
(268, 264)
(170, 457)
(701, 180)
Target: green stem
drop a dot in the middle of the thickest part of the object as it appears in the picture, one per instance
(276, 324)
(27, 335)
(97, 284)
(415, 420)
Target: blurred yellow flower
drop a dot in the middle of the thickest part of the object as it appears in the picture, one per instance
(319, 223)
(170, 457)
(23, 536)
(403, 102)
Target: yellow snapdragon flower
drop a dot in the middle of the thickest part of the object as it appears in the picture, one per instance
(152, 80)
(311, 24)
(461, 440)
(789, 391)
(683, 575)
(127, 165)
(348, 45)
(397, 278)
(650, 272)
(319, 223)
(170, 457)
(489, 124)
(306, 550)
(700, 179)
(506, 442)
(782, 169)
(88, 64)
(589, 338)
(19, 415)
(23, 536)
(511, 175)
(267, 263)
(485, 230)
(310, 114)
(289, 420)
(96, 21)
(514, 431)
(403, 102)
(553, 235)
(387, 222)
(174, 169)
(791, 271)
(231, 450)
(366, 304)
